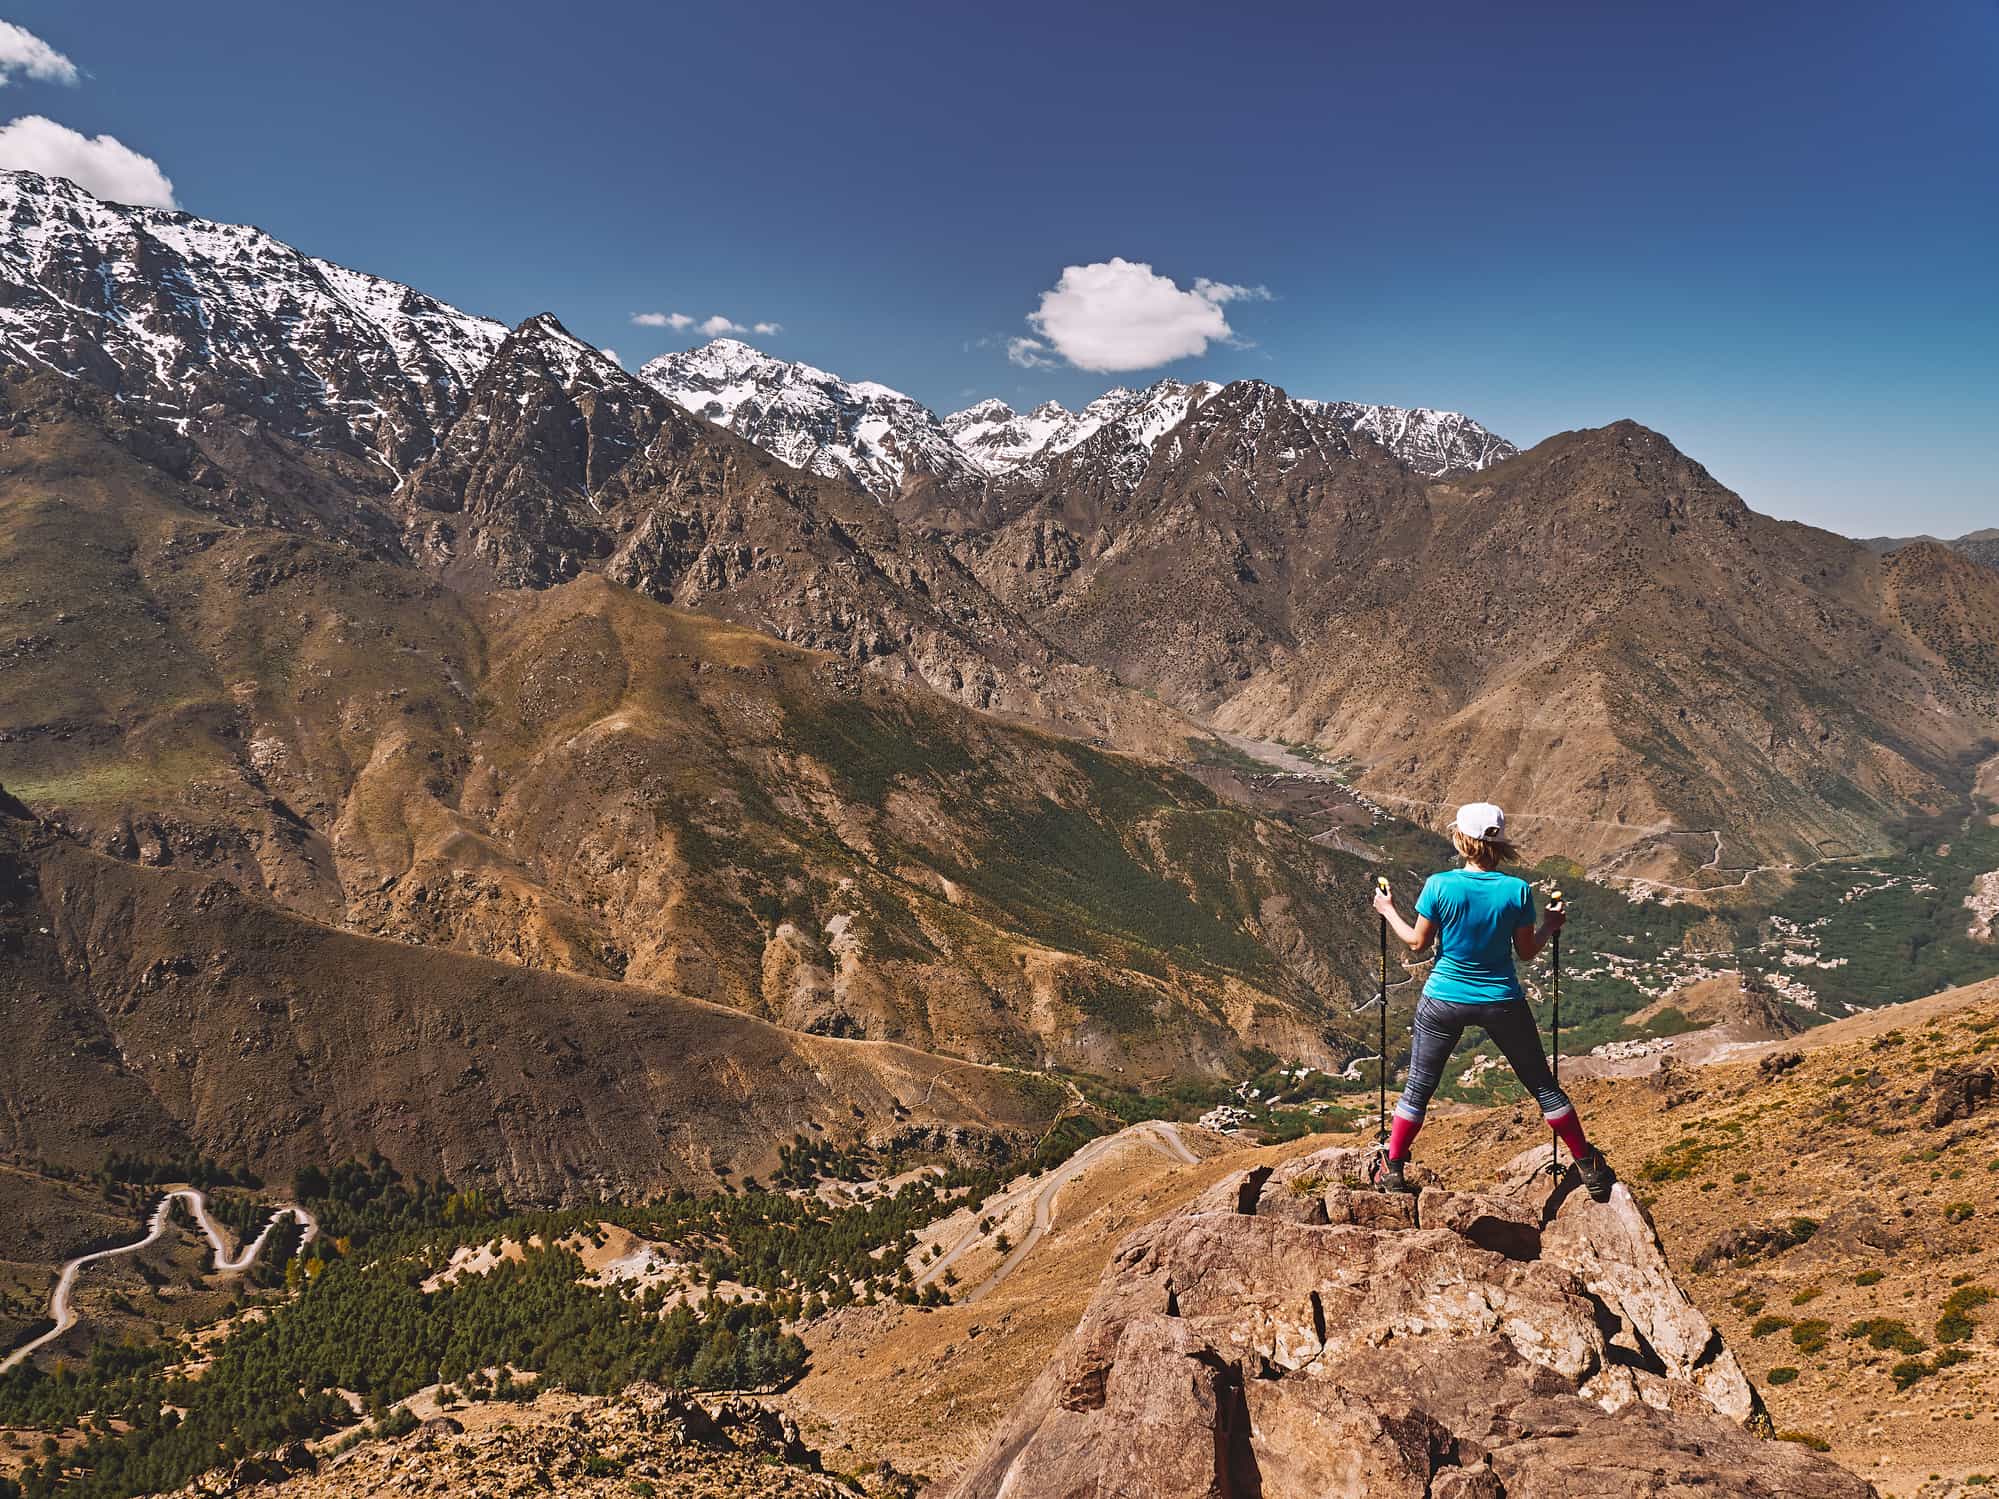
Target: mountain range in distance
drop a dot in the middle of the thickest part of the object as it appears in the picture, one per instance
(1644, 664)
(1980, 546)
(883, 440)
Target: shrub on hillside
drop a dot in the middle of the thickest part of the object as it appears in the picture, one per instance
(1954, 1325)
(1886, 1333)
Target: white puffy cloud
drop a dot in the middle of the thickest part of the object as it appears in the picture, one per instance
(21, 51)
(1121, 315)
(1028, 353)
(768, 328)
(614, 356)
(673, 320)
(99, 164)
(717, 325)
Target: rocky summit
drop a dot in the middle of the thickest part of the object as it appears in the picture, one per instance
(1294, 1333)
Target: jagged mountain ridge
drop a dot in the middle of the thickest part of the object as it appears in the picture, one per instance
(1979, 546)
(886, 441)
(346, 406)
(186, 318)
(1024, 448)
(562, 464)
(1434, 443)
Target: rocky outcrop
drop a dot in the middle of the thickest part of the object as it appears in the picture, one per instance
(645, 1441)
(1959, 1092)
(1296, 1334)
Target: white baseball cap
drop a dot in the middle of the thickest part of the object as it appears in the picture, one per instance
(1481, 820)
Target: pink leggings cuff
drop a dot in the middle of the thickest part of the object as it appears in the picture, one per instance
(1569, 1130)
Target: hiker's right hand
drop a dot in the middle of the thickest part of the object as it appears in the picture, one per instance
(1553, 919)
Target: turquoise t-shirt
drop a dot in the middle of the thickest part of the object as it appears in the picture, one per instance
(1477, 912)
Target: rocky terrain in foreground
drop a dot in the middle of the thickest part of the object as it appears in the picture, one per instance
(645, 1441)
(1827, 1202)
(1295, 1333)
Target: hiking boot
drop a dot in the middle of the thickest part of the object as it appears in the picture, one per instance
(1391, 1178)
(1597, 1176)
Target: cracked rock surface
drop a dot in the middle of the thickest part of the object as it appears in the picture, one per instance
(1297, 1334)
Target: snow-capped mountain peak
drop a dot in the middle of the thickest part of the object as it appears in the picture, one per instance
(1431, 442)
(998, 438)
(567, 359)
(182, 315)
(860, 430)
(1007, 443)
(884, 440)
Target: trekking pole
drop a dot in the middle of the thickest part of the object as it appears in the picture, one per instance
(1381, 1062)
(1555, 1030)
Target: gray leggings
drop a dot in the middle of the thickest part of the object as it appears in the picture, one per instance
(1440, 1023)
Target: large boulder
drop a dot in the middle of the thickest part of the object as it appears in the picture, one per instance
(1959, 1092)
(1295, 1336)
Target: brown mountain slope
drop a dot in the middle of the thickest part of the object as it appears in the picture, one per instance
(1595, 632)
(153, 1012)
(578, 778)
(1200, 577)
(561, 464)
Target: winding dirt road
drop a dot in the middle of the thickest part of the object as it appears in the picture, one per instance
(1155, 1133)
(63, 1314)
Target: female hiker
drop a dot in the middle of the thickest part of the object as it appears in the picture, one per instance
(1481, 918)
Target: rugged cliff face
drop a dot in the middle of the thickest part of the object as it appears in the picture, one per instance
(1295, 1335)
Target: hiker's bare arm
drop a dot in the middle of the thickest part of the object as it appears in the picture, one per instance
(1417, 936)
(1528, 941)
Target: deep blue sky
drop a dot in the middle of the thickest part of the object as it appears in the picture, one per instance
(1768, 230)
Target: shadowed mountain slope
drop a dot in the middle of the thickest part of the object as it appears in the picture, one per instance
(162, 1014)
(578, 778)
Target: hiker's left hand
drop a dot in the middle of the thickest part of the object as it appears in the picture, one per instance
(1384, 903)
